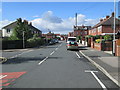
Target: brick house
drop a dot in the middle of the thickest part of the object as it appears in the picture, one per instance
(49, 35)
(105, 26)
(70, 34)
(8, 29)
(81, 31)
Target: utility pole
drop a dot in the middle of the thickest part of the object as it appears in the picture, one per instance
(114, 27)
(76, 19)
(23, 39)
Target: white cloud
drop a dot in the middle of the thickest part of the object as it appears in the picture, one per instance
(4, 23)
(56, 24)
(36, 16)
(49, 17)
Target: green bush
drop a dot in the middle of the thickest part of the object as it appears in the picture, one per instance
(78, 38)
(89, 36)
(107, 37)
(35, 41)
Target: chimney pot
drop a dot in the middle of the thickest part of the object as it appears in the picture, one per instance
(113, 14)
(107, 17)
(31, 23)
(101, 20)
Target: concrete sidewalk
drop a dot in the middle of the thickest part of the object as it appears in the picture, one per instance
(107, 63)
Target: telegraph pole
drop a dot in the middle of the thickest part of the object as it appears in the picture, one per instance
(114, 27)
(23, 39)
(76, 19)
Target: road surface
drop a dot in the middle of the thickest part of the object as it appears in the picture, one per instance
(52, 67)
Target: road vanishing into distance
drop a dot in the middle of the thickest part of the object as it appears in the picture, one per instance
(51, 66)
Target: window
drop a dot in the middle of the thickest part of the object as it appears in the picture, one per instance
(8, 30)
(76, 32)
(85, 32)
(81, 33)
(99, 29)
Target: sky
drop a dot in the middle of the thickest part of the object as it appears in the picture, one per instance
(59, 17)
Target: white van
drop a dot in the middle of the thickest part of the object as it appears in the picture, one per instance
(71, 39)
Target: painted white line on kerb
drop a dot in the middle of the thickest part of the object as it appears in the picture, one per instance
(43, 60)
(102, 85)
(77, 55)
(2, 76)
(52, 53)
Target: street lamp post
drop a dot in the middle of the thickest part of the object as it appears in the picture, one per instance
(114, 27)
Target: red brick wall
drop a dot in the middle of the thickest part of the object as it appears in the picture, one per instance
(93, 32)
(118, 47)
(108, 29)
(70, 34)
(105, 29)
(82, 33)
(98, 46)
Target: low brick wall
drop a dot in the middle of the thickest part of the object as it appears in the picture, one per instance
(98, 46)
(107, 46)
(117, 47)
(92, 44)
(89, 42)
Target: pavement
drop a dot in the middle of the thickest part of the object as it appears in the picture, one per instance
(104, 61)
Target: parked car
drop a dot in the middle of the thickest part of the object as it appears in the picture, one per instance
(56, 40)
(71, 39)
(72, 46)
(51, 42)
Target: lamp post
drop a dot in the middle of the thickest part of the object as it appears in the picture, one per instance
(23, 39)
(114, 27)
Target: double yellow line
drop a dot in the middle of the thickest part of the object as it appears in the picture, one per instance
(3, 59)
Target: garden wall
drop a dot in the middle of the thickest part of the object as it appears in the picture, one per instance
(118, 47)
(12, 44)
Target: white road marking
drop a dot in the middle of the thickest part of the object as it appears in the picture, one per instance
(20, 54)
(60, 45)
(42, 60)
(2, 76)
(102, 85)
(77, 55)
(56, 49)
(52, 53)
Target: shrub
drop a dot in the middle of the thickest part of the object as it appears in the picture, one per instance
(35, 41)
(78, 38)
(97, 36)
(98, 40)
(89, 36)
(107, 37)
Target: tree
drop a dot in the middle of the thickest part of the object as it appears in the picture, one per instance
(22, 26)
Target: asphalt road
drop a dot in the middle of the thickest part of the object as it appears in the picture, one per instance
(53, 67)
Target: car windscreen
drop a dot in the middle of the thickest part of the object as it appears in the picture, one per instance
(71, 39)
(72, 43)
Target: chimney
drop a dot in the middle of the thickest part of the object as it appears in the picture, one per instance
(101, 20)
(113, 14)
(107, 17)
(25, 21)
(83, 26)
(30, 23)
